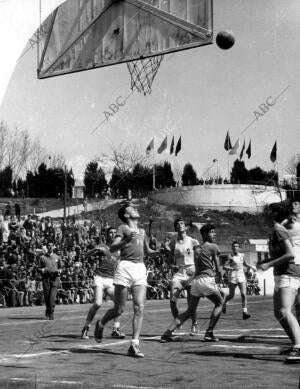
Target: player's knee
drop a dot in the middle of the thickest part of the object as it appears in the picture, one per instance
(97, 304)
(138, 309)
(283, 312)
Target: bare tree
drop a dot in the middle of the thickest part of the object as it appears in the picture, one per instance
(291, 167)
(3, 143)
(125, 158)
(38, 155)
(56, 161)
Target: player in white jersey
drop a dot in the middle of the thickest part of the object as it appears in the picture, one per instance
(235, 265)
(292, 225)
(103, 284)
(181, 256)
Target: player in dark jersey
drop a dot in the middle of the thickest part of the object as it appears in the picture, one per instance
(103, 287)
(130, 273)
(203, 284)
(286, 275)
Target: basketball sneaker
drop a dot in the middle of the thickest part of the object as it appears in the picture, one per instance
(84, 332)
(246, 315)
(134, 351)
(210, 337)
(294, 355)
(195, 330)
(117, 334)
(98, 333)
(167, 336)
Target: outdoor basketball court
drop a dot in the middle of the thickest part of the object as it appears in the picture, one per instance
(37, 353)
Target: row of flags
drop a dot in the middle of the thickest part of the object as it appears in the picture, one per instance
(164, 146)
(233, 149)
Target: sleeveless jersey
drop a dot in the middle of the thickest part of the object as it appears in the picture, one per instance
(183, 251)
(293, 229)
(134, 250)
(236, 261)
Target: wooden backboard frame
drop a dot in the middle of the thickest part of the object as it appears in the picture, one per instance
(86, 34)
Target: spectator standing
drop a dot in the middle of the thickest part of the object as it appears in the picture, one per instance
(49, 270)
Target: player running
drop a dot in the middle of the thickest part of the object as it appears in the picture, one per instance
(286, 276)
(235, 264)
(130, 273)
(181, 256)
(203, 285)
(103, 285)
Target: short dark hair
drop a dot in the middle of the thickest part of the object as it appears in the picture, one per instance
(234, 242)
(122, 211)
(110, 228)
(280, 211)
(176, 221)
(206, 228)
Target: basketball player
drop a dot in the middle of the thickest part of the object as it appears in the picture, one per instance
(103, 286)
(130, 273)
(292, 224)
(235, 265)
(203, 284)
(181, 256)
(286, 276)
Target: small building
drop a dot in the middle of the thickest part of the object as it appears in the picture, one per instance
(78, 189)
(256, 250)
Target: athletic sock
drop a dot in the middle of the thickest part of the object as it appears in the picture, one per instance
(135, 342)
(245, 310)
(116, 325)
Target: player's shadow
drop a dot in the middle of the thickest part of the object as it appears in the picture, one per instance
(87, 351)
(26, 318)
(235, 355)
(67, 336)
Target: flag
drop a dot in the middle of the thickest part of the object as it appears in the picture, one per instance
(178, 146)
(172, 146)
(163, 146)
(235, 147)
(273, 154)
(248, 151)
(242, 151)
(150, 147)
(227, 144)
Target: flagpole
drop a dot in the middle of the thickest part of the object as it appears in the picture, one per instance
(228, 166)
(153, 171)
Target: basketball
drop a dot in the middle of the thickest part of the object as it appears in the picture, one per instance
(225, 40)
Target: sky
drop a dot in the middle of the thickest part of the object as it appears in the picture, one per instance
(198, 94)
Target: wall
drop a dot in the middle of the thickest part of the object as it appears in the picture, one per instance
(239, 198)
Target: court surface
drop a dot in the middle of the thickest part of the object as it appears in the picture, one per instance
(37, 353)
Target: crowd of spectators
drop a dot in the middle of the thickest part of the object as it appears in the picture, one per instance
(24, 239)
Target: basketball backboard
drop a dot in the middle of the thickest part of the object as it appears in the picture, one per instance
(86, 34)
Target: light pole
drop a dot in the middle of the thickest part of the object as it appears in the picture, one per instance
(65, 193)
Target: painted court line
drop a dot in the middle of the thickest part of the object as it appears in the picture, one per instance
(138, 387)
(46, 382)
(245, 347)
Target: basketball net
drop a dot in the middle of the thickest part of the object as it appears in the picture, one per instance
(143, 72)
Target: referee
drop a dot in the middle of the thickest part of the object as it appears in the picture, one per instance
(49, 271)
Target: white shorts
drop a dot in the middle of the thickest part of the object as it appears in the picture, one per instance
(204, 286)
(285, 281)
(130, 274)
(103, 287)
(184, 275)
(237, 277)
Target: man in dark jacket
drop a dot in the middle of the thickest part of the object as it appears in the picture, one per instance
(49, 271)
